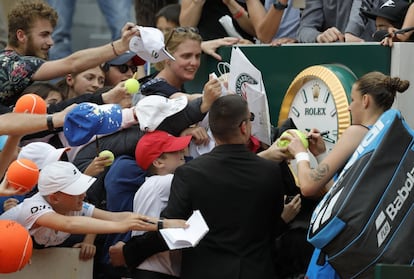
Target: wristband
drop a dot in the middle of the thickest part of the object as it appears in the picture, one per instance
(321, 157)
(160, 224)
(239, 14)
(302, 156)
(113, 49)
(49, 121)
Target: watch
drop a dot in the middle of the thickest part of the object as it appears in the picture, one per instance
(318, 98)
(279, 6)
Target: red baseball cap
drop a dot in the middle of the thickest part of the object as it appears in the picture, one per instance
(153, 144)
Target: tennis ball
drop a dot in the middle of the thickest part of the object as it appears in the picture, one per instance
(16, 246)
(302, 135)
(107, 153)
(30, 103)
(132, 85)
(23, 174)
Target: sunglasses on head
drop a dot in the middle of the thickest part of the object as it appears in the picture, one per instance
(124, 68)
(180, 30)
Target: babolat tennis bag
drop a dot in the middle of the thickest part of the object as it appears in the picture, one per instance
(368, 215)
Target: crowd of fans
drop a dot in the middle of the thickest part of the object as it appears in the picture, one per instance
(105, 206)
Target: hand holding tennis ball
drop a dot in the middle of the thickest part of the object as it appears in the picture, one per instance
(132, 85)
(107, 153)
(302, 135)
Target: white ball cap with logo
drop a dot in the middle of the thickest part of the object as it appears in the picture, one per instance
(63, 177)
(150, 45)
(152, 110)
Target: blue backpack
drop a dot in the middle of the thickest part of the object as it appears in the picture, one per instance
(367, 217)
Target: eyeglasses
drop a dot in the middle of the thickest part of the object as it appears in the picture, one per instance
(180, 30)
(251, 118)
(124, 68)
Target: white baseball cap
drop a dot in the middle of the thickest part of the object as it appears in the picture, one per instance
(41, 153)
(150, 45)
(153, 109)
(63, 177)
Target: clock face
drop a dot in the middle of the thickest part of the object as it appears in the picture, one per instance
(314, 107)
(318, 98)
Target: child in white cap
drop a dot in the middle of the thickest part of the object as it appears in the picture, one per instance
(57, 211)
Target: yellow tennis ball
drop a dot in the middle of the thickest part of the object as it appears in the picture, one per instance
(302, 135)
(132, 85)
(107, 153)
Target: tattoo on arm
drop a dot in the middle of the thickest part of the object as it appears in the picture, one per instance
(319, 172)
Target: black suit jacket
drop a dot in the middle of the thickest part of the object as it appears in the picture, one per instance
(240, 195)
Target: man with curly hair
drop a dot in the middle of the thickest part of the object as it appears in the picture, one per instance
(30, 27)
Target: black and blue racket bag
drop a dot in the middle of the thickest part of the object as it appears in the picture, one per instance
(367, 217)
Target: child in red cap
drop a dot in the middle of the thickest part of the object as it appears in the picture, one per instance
(159, 153)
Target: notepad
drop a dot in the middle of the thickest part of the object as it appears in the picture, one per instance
(177, 238)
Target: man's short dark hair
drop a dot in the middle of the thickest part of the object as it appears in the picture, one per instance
(225, 116)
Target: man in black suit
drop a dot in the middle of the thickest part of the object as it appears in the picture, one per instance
(239, 194)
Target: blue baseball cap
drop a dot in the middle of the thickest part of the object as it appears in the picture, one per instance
(88, 119)
(122, 59)
(125, 57)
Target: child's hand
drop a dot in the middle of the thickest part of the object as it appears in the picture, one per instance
(97, 166)
(87, 250)
(10, 203)
(7, 190)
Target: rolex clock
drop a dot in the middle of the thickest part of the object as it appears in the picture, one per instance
(318, 98)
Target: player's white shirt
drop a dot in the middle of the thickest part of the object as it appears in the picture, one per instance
(27, 212)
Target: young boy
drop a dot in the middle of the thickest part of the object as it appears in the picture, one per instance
(58, 210)
(159, 153)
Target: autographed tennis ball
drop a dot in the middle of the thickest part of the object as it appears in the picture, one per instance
(132, 85)
(302, 135)
(107, 153)
(16, 246)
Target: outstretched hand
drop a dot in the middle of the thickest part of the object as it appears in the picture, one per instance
(116, 94)
(128, 31)
(275, 153)
(199, 135)
(97, 165)
(210, 47)
(212, 91)
(7, 190)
